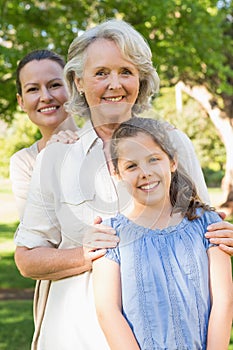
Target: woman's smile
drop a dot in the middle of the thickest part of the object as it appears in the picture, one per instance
(48, 109)
(113, 99)
(108, 79)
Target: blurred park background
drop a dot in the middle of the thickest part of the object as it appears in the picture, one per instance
(192, 50)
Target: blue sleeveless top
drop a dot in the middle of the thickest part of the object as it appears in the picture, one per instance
(165, 281)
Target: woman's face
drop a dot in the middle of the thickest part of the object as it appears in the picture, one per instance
(110, 82)
(43, 93)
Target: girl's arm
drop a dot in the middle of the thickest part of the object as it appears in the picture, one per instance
(221, 288)
(107, 292)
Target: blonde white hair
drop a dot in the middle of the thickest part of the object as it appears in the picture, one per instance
(133, 47)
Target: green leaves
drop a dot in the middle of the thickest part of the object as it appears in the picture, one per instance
(190, 40)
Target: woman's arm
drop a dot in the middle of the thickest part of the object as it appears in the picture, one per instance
(107, 292)
(48, 263)
(39, 234)
(221, 288)
(221, 233)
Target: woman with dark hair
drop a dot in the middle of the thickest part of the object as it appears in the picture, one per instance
(41, 93)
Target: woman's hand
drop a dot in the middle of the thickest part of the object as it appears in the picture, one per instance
(221, 233)
(62, 136)
(97, 239)
(47, 263)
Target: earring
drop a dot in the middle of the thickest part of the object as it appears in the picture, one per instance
(81, 93)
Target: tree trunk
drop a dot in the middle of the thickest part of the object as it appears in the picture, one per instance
(222, 124)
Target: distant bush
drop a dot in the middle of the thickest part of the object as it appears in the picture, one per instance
(22, 133)
(194, 122)
(213, 178)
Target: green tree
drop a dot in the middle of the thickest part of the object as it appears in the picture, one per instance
(191, 43)
(195, 123)
(22, 133)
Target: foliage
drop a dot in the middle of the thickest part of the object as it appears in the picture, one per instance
(9, 274)
(213, 178)
(22, 133)
(6, 231)
(190, 40)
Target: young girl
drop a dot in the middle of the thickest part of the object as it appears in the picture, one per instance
(165, 286)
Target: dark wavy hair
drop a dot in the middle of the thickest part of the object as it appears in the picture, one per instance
(183, 193)
(37, 55)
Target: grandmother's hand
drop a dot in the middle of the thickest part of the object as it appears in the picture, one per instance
(98, 239)
(222, 214)
(221, 233)
(62, 136)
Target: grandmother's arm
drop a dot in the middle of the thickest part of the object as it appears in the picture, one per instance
(47, 263)
(38, 238)
(50, 263)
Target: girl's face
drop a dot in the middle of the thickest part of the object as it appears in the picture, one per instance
(146, 168)
(43, 93)
(110, 82)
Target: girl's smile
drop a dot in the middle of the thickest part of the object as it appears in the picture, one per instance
(146, 169)
(150, 186)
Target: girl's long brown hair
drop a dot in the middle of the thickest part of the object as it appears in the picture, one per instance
(183, 192)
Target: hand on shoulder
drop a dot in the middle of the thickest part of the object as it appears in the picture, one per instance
(221, 233)
(64, 136)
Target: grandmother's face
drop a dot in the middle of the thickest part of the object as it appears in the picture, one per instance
(110, 82)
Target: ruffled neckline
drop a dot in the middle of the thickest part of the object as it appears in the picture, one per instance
(146, 230)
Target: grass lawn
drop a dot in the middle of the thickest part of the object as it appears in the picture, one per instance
(16, 323)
